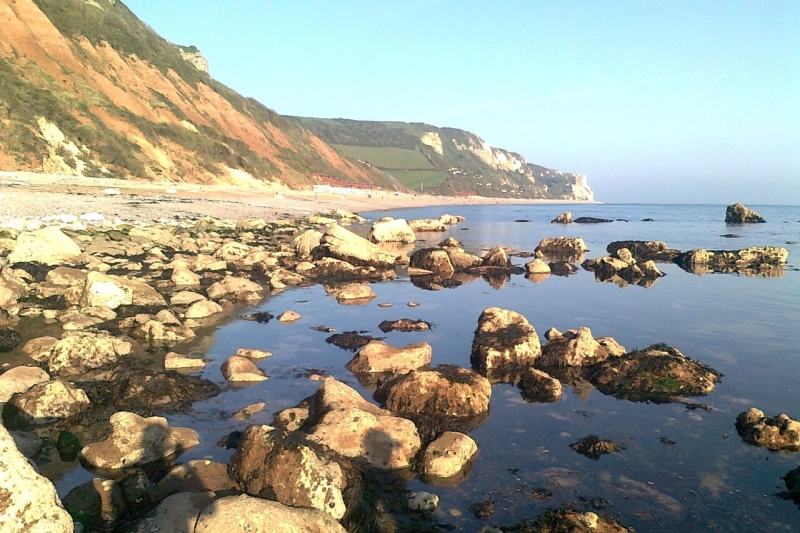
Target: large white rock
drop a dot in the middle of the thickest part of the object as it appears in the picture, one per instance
(49, 402)
(447, 455)
(48, 246)
(377, 356)
(246, 514)
(81, 351)
(113, 291)
(28, 501)
(136, 441)
(395, 230)
(504, 339)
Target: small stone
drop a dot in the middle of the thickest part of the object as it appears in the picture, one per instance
(246, 412)
(174, 361)
(423, 501)
(242, 369)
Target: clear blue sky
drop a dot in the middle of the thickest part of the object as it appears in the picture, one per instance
(656, 101)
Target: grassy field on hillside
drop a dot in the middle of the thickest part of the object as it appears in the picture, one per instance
(387, 157)
(413, 178)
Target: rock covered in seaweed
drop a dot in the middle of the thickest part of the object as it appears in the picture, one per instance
(657, 373)
(568, 520)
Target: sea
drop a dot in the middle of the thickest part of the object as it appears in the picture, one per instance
(684, 468)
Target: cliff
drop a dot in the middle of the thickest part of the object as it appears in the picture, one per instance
(446, 160)
(86, 88)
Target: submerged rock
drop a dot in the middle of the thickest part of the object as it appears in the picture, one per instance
(351, 340)
(657, 373)
(404, 324)
(593, 446)
(792, 480)
(568, 520)
(591, 220)
(137, 441)
(739, 214)
(9, 339)
(503, 339)
(776, 433)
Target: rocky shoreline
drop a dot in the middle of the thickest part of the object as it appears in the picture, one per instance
(124, 293)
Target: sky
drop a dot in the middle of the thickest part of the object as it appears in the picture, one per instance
(668, 101)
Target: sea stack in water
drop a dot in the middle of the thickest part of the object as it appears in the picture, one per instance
(739, 214)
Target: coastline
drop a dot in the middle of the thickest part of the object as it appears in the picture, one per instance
(33, 195)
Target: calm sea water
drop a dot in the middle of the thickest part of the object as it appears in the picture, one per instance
(747, 328)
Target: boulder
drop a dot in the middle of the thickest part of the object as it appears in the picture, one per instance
(657, 373)
(496, 258)
(113, 291)
(427, 225)
(537, 266)
(564, 218)
(183, 277)
(246, 514)
(503, 339)
(28, 497)
(776, 433)
(451, 220)
(47, 246)
(739, 214)
(177, 513)
(540, 386)
(767, 255)
(238, 288)
(242, 369)
(78, 352)
(306, 242)
(448, 455)
(562, 246)
(289, 316)
(395, 230)
(290, 469)
(185, 298)
(155, 333)
(355, 292)
(203, 309)
(339, 243)
(66, 277)
(435, 260)
(446, 390)
(20, 379)
(199, 475)
(45, 404)
(137, 441)
(341, 420)
(578, 348)
(377, 356)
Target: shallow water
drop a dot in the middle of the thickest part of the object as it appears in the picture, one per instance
(747, 328)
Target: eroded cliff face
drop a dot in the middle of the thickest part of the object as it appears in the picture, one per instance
(87, 89)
